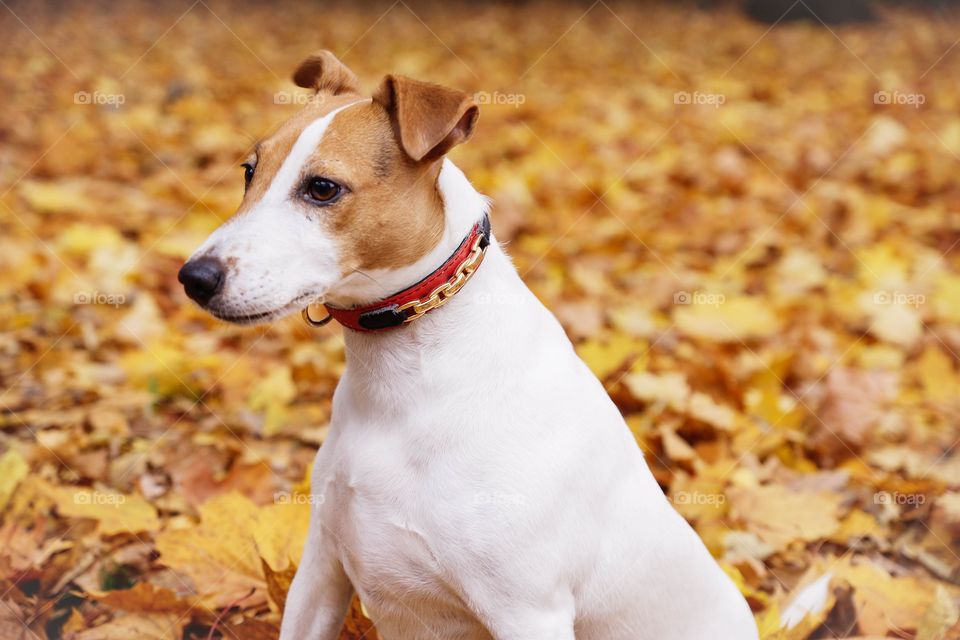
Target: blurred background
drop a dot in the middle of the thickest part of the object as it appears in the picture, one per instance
(746, 216)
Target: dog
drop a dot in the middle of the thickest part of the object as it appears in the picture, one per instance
(477, 481)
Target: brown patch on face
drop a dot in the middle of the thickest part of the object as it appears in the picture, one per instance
(272, 151)
(393, 214)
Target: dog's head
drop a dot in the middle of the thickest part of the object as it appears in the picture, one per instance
(346, 187)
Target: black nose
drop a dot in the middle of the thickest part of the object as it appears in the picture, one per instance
(202, 279)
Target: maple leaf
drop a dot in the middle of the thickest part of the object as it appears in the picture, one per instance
(218, 554)
(780, 516)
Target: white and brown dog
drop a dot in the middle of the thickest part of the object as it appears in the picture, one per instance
(477, 481)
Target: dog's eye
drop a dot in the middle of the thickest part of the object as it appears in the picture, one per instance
(247, 173)
(322, 191)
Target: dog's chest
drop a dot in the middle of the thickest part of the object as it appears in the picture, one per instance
(383, 510)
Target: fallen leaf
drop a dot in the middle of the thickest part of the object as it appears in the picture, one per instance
(114, 512)
(857, 401)
(886, 603)
(218, 554)
(149, 626)
(13, 469)
(940, 616)
(733, 319)
(780, 516)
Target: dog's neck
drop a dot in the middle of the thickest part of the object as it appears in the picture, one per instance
(395, 371)
(409, 347)
(463, 208)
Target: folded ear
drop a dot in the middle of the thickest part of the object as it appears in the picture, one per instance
(429, 119)
(324, 72)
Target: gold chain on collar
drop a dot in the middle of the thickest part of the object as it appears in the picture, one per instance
(442, 294)
(438, 297)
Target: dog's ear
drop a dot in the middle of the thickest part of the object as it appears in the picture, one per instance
(429, 119)
(324, 72)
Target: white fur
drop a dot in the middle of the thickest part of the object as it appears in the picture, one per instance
(279, 257)
(479, 483)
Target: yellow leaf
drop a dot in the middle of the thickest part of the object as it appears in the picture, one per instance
(940, 382)
(81, 239)
(939, 617)
(635, 320)
(281, 530)
(781, 516)
(880, 356)
(604, 356)
(219, 553)
(114, 512)
(143, 322)
(799, 271)
(946, 298)
(699, 497)
(742, 585)
(13, 469)
(166, 369)
(56, 196)
(670, 388)
(858, 524)
(142, 626)
(674, 446)
(880, 266)
(734, 319)
(704, 408)
(897, 324)
(885, 135)
(768, 624)
(272, 395)
(886, 603)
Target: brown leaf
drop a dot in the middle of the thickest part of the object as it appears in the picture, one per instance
(278, 583)
(857, 401)
(143, 626)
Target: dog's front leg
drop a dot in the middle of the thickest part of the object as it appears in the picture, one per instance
(320, 594)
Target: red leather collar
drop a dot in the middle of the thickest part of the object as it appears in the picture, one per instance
(428, 294)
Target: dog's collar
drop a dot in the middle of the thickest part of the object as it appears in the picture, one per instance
(415, 301)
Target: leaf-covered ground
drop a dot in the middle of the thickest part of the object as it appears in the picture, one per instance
(751, 235)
